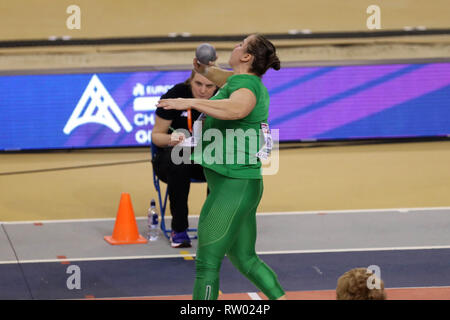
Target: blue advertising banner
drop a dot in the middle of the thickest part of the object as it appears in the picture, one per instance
(91, 110)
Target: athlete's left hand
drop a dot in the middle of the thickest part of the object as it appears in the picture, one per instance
(175, 104)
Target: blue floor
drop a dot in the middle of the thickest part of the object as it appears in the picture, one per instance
(175, 276)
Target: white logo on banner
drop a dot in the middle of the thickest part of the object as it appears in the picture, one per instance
(97, 106)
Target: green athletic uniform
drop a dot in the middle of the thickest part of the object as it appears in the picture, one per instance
(227, 224)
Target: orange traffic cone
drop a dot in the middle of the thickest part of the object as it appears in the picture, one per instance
(125, 228)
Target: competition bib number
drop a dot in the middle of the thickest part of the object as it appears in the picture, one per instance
(266, 149)
(196, 133)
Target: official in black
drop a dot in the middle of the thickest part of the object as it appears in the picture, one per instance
(164, 137)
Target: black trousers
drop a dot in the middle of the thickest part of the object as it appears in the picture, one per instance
(178, 180)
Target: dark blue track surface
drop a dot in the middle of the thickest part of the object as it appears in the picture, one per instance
(175, 276)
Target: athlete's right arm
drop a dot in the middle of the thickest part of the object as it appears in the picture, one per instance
(212, 73)
(160, 137)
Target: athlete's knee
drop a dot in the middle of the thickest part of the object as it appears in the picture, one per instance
(245, 264)
(207, 266)
(257, 271)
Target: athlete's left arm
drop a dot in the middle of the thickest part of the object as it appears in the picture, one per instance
(238, 106)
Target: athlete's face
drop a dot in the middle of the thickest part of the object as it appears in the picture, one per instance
(239, 53)
(202, 88)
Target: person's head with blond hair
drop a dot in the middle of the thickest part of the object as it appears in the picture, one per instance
(353, 285)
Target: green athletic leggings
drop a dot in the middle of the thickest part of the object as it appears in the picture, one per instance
(227, 225)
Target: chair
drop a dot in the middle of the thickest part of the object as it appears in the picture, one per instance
(162, 204)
